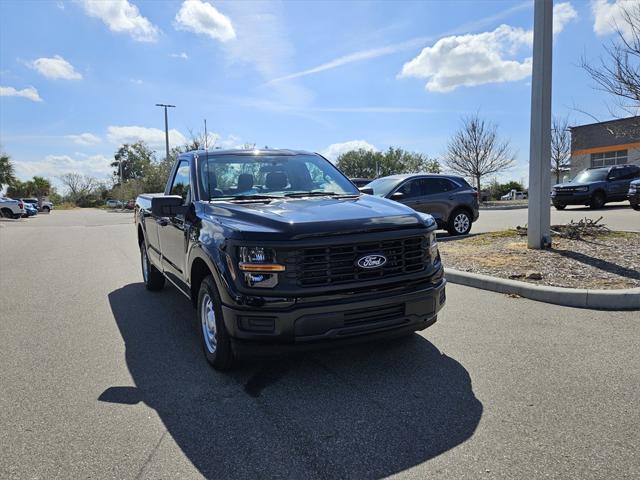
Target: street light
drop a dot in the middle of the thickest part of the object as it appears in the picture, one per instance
(166, 124)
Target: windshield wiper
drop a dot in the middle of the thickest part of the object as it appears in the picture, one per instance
(247, 197)
(319, 194)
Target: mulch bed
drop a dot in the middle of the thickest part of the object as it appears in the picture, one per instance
(607, 260)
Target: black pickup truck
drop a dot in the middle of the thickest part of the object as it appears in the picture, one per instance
(278, 250)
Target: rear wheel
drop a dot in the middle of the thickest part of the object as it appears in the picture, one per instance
(213, 333)
(46, 209)
(459, 223)
(560, 207)
(153, 278)
(635, 206)
(6, 213)
(597, 200)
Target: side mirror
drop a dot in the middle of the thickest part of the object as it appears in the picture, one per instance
(366, 190)
(168, 206)
(397, 196)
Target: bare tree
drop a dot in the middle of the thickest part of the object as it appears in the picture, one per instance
(618, 72)
(475, 150)
(79, 186)
(560, 146)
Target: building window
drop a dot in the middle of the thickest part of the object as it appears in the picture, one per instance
(609, 158)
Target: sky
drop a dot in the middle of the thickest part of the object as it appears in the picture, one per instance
(79, 78)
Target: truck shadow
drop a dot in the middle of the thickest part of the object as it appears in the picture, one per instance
(361, 412)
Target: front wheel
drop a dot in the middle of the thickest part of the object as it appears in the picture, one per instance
(635, 206)
(46, 209)
(560, 207)
(459, 223)
(153, 278)
(597, 200)
(213, 333)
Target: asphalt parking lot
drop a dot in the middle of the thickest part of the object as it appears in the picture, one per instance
(102, 379)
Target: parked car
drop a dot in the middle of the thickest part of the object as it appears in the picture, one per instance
(111, 203)
(302, 261)
(29, 210)
(46, 205)
(634, 194)
(360, 182)
(514, 195)
(130, 205)
(10, 208)
(595, 187)
(448, 198)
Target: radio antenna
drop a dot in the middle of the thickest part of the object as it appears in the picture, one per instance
(205, 135)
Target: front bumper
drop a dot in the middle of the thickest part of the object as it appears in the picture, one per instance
(571, 198)
(320, 325)
(634, 197)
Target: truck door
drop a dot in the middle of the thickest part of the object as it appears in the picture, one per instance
(173, 230)
(618, 183)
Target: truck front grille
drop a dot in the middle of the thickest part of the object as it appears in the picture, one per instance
(336, 264)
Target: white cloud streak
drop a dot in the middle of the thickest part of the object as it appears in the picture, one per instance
(55, 165)
(29, 93)
(563, 13)
(368, 54)
(120, 16)
(55, 68)
(85, 139)
(182, 55)
(152, 136)
(203, 18)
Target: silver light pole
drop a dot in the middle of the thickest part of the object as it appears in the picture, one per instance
(538, 233)
(166, 124)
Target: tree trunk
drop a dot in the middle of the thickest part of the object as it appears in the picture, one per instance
(478, 187)
(558, 176)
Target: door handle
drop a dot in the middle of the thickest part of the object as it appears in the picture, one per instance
(163, 222)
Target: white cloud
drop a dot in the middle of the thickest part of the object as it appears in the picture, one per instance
(85, 139)
(182, 55)
(333, 151)
(152, 136)
(122, 17)
(609, 16)
(563, 13)
(55, 165)
(55, 67)
(203, 18)
(29, 92)
(371, 53)
(469, 60)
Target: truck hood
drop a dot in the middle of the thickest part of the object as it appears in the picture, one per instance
(314, 217)
(561, 186)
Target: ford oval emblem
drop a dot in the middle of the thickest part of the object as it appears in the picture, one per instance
(371, 261)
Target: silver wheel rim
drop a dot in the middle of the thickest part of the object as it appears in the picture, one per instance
(145, 265)
(461, 223)
(208, 320)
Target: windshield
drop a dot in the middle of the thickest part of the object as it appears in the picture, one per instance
(382, 186)
(591, 176)
(259, 176)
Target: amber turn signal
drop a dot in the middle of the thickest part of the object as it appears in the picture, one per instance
(260, 267)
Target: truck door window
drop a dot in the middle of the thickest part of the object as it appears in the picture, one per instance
(411, 189)
(433, 186)
(181, 182)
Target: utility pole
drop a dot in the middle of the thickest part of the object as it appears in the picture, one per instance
(166, 124)
(205, 135)
(121, 185)
(538, 229)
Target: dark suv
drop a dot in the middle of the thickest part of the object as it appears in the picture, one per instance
(595, 187)
(449, 199)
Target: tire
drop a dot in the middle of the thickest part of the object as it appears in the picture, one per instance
(560, 207)
(459, 222)
(46, 209)
(635, 206)
(216, 343)
(597, 200)
(152, 277)
(6, 213)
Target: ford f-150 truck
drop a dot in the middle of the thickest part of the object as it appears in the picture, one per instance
(278, 250)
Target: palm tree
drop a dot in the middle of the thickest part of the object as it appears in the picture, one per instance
(7, 172)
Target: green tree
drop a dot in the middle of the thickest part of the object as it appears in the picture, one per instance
(369, 164)
(135, 159)
(20, 189)
(7, 171)
(41, 187)
(497, 190)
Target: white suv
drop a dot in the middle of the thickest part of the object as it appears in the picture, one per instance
(10, 208)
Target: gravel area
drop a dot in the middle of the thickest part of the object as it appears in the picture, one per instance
(607, 261)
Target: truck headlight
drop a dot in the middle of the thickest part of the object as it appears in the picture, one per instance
(259, 266)
(582, 189)
(434, 253)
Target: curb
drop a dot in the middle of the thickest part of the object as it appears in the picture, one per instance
(620, 299)
(506, 207)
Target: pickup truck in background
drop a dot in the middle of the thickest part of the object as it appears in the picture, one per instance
(278, 250)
